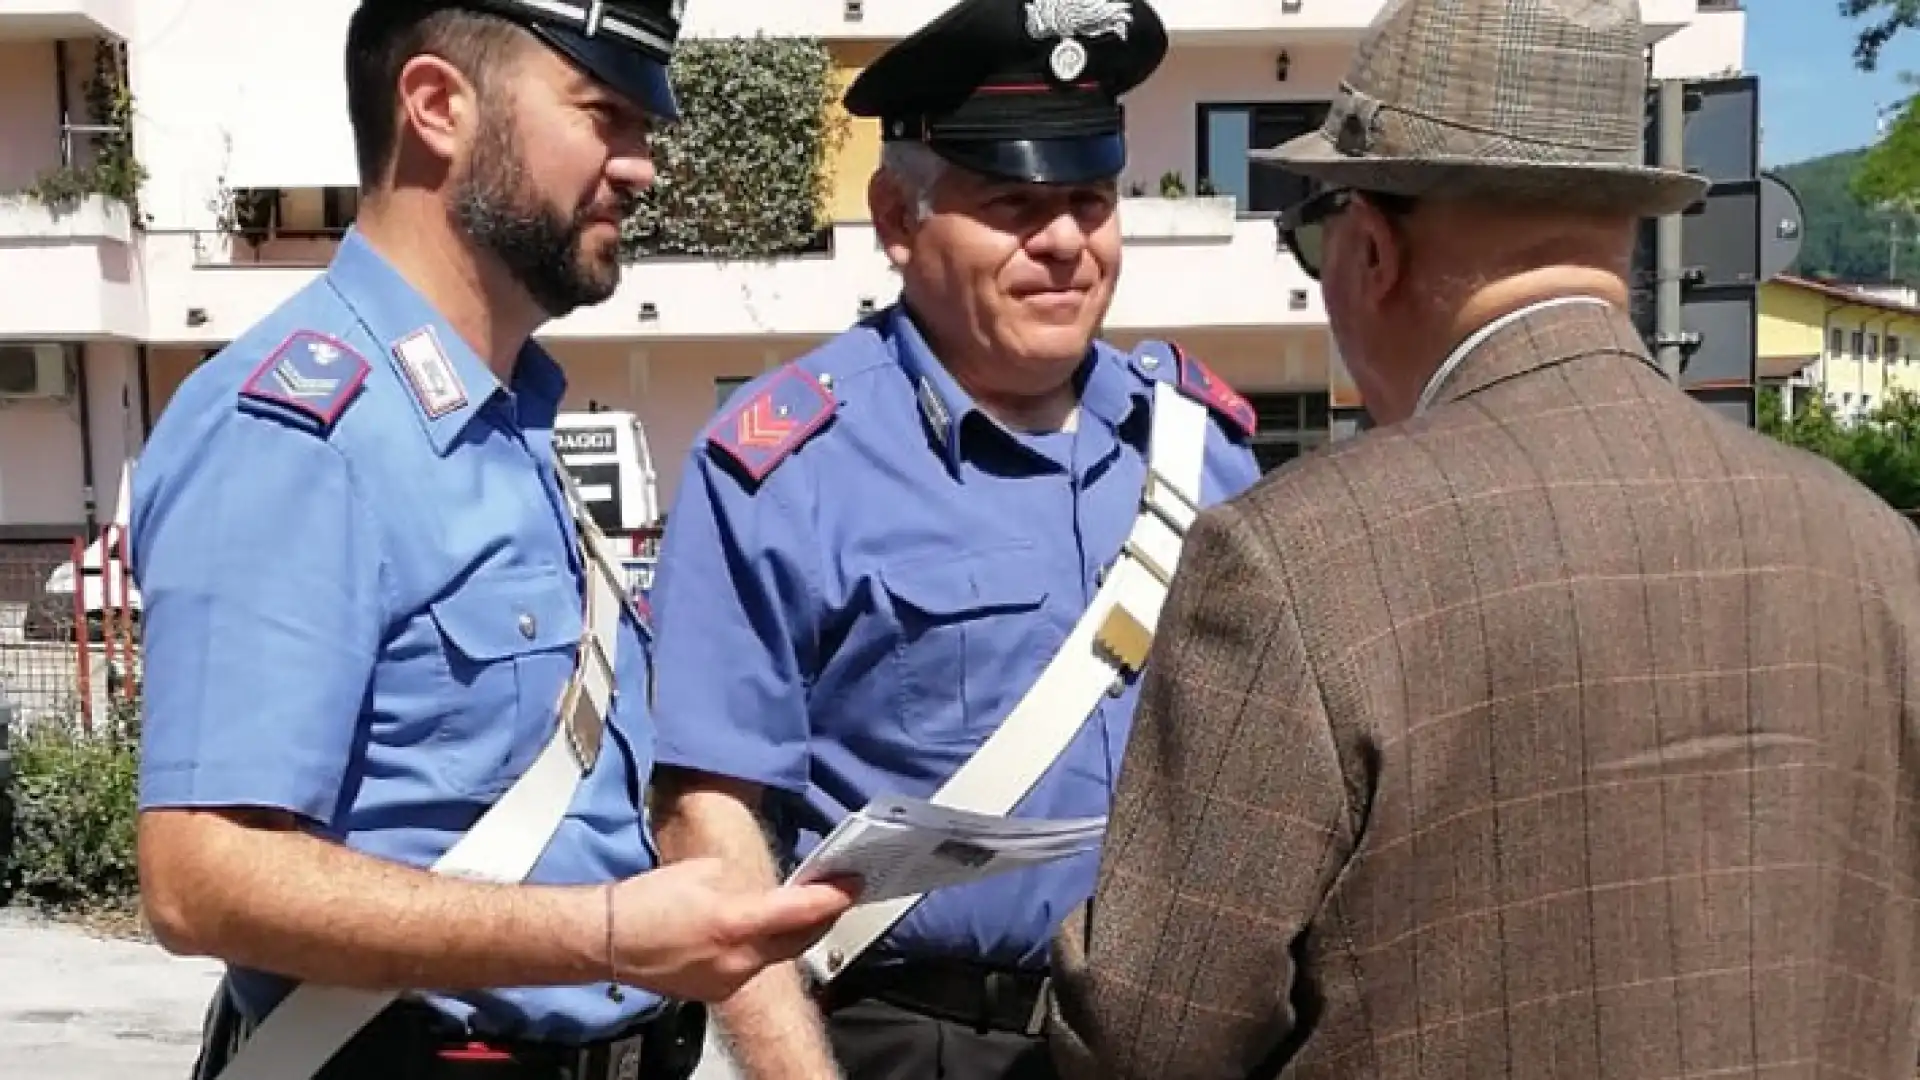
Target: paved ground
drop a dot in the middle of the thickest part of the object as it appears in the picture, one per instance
(82, 1008)
(78, 1007)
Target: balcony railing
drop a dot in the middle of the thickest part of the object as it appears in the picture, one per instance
(1226, 22)
(1189, 263)
(70, 271)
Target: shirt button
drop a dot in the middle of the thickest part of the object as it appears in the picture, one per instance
(528, 626)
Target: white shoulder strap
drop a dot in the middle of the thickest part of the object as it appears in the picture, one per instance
(1110, 639)
(314, 1022)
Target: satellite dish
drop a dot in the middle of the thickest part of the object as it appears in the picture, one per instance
(1782, 226)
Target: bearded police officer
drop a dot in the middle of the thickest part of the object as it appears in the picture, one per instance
(878, 550)
(397, 730)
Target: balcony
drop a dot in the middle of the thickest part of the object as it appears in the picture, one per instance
(1236, 22)
(71, 274)
(1189, 264)
(56, 20)
(1245, 22)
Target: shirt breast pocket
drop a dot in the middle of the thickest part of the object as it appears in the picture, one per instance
(508, 641)
(970, 631)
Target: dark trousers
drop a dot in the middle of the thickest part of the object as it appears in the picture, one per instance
(873, 1040)
(406, 1042)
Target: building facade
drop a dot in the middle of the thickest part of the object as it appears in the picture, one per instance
(107, 309)
(1851, 344)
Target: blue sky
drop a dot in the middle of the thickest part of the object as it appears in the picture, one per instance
(1813, 100)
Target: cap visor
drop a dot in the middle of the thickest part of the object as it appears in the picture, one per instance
(1078, 160)
(628, 72)
(1310, 148)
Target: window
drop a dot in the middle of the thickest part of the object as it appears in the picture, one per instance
(339, 207)
(1893, 349)
(1227, 132)
(1859, 344)
(1289, 425)
(1873, 346)
(1836, 343)
(724, 386)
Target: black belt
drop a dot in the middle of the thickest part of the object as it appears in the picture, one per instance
(958, 991)
(412, 1042)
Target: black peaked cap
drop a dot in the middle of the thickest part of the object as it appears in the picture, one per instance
(625, 44)
(1019, 89)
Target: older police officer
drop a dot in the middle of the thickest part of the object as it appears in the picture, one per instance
(876, 550)
(381, 639)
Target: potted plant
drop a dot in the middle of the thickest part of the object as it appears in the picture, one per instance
(1176, 215)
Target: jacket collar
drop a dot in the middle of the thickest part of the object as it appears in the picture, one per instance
(1538, 336)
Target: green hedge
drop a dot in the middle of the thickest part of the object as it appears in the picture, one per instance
(745, 173)
(1881, 451)
(74, 801)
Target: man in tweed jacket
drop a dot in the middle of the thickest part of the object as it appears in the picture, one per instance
(1556, 728)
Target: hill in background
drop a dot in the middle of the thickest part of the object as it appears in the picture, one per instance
(1845, 238)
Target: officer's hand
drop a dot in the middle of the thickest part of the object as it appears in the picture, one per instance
(688, 931)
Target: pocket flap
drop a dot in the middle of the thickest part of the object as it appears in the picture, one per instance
(501, 613)
(968, 584)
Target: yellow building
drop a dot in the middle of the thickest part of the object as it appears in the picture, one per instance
(856, 158)
(1853, 343)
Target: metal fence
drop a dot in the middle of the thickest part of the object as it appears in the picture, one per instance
(69, 631)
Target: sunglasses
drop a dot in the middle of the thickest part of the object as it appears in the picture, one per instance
(1303, 226)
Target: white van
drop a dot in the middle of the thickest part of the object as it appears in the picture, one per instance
(606, 451)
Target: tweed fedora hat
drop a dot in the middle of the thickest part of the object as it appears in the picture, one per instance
(1537, 100)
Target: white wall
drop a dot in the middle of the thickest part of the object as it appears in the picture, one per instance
(113, 411)
(209, 71)
(1713, 43)
(217, 107)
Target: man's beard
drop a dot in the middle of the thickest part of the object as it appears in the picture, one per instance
(542, 249)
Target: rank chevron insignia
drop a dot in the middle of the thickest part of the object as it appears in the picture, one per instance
(760, 427)
(772, 422)
(310, 375)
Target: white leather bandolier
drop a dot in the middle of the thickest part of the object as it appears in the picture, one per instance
(1109, 642)
(314, 1022)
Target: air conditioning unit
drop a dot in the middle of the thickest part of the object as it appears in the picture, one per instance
(36, 370)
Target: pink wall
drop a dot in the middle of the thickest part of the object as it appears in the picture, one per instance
(40, 475)
(29, 112)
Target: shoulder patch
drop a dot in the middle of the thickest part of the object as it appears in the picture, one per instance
(311, 374)
(773, 421)
(1201, 384)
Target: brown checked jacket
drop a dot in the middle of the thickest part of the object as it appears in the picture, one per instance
(1566, 730)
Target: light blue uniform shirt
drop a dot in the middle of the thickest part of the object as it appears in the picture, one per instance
(363, 597)
(859, 582)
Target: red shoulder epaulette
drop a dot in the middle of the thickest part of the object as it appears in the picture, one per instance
(771, 422)
(310, 375)
(1211, 390)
